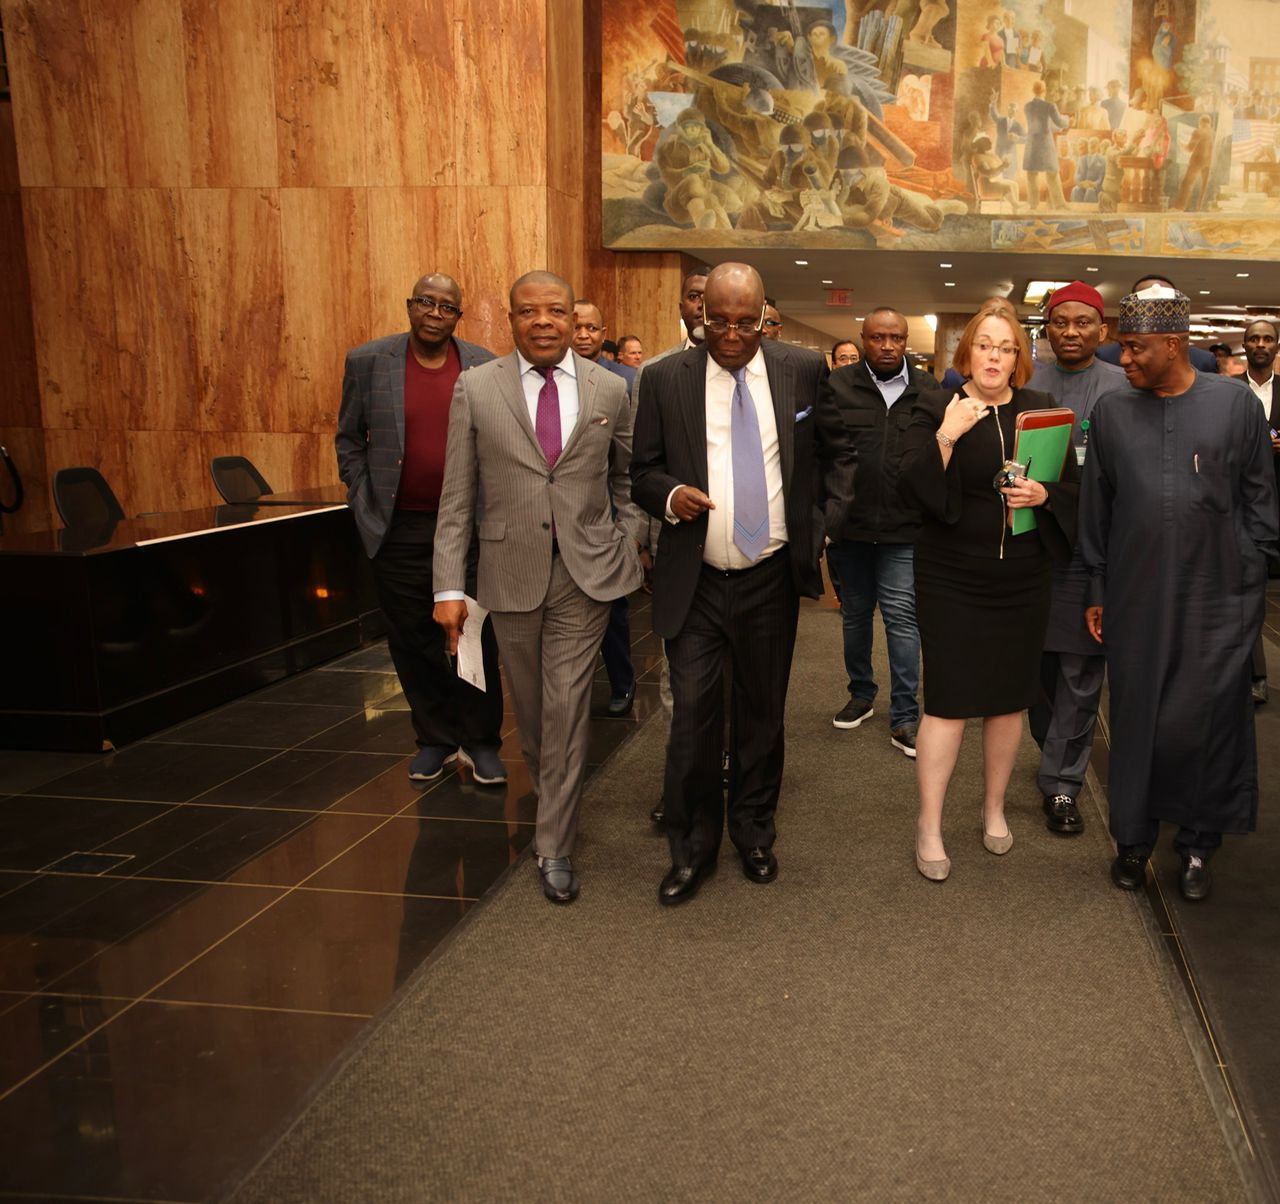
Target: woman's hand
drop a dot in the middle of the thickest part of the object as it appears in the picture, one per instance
(1025, 493)
(960, 416)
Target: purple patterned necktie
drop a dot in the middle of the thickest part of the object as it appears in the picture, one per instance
(547, 426)
(750, 492)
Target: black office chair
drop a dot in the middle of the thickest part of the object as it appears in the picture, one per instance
(237, 479)
(84, 499)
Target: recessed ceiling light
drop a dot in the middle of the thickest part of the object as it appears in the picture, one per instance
(802, 263)
(1242, 275)
(944, 265)
(858, 319)
(948, 284)
(1093, 269)
(1204, 292)
(828, 282)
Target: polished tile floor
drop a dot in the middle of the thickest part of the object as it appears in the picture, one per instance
(245, 890)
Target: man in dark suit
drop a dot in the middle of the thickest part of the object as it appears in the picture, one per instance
(391, 436)
(542, 439)
(733, 442)
(1260, 346)
(873, 553)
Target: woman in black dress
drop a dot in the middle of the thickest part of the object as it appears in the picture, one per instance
(982, 593)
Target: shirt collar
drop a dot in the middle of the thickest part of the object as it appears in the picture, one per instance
(901, 375)
(755, 366)
(566, 365)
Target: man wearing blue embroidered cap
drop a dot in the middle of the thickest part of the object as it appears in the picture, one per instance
(1177, 518)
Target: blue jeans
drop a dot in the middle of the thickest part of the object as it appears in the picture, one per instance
(883, 573)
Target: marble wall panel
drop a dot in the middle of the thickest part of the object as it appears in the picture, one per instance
(412, 231)
(19, 388)
(565, 251)
(648, 299)
(411, 100)
(166, 470)
(502, 103)
(156, 374)
(139, 64)
(230, 82)
(105, 450)
(325, 239)
(73, 306)
(504, 236)
(55, 100)
(320, 84)
(566, 134)
(26, 447)
(234, 256)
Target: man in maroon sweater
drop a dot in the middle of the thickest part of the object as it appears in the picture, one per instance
(392, 430)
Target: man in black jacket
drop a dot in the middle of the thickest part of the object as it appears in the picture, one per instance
(872, 551)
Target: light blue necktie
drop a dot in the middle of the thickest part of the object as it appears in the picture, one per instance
(750, 493)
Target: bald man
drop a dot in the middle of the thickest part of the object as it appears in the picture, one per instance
(734, 441)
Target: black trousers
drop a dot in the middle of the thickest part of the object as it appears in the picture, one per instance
(748, 618)
(615, 648)
(446, 712)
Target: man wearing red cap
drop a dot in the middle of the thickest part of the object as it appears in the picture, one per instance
(1073, 664)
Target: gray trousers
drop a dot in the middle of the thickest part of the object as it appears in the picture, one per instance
(550, 657)
(1064, 718)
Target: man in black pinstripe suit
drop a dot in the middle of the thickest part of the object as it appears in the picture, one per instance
(713, 597)
(391, 437)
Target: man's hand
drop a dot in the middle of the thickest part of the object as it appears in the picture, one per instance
(687, 503)
(451, 616)
(1093, 621)
(646, 562)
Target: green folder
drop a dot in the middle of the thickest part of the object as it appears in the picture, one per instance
(1042, 443)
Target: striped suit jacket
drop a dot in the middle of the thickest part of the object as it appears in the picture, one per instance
(370, 437)
(494, 452)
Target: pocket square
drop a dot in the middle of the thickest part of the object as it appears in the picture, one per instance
(599, 422)
(804, 413)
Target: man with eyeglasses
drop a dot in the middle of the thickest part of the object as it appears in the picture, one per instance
(734, 444)
(772, 319)
(392, 430)
(1072, 665)
(872, 552)
(844, 353)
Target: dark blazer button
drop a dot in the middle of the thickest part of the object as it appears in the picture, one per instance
(546, 526)
(551, 478)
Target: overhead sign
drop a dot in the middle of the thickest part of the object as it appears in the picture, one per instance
(839, 297)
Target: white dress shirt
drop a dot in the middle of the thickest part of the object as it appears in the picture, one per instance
(566, 378)
(719, 550)
(1262, 392)
(894, 387)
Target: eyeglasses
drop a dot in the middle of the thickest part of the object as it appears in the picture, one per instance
(446, 309)
(744, 326)
(982, 347)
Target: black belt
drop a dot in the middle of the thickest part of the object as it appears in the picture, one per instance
(751, 568)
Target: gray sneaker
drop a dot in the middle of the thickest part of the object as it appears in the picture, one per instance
(853, 714)
(904, 738)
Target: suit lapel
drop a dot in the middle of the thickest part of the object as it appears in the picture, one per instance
(782, 386)
(396, 372)
(587, 379)
(513, 395)
(691, 412)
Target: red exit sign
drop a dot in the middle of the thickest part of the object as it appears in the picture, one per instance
(839, 297)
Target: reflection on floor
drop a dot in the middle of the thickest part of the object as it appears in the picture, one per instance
(193, 928)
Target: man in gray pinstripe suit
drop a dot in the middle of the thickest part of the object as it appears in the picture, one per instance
(539, 440)
(391, 443)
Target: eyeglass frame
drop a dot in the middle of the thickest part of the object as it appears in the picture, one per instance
(711, 323)
(446, 309)
(1004, 349)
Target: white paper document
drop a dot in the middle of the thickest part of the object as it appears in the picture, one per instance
(470, 656)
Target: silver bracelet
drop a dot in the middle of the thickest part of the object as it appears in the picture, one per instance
(945, 440)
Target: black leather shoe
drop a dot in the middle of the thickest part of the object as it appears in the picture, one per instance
(759, 865)
(1129, 871)
(1195, 881)
(559, 882)
(681, 882)
(1064, 815)
(620, 704)
(659, 813)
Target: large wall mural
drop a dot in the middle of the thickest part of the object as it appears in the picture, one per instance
(1129, 127)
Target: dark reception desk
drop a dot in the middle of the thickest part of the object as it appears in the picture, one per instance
(112, 634)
